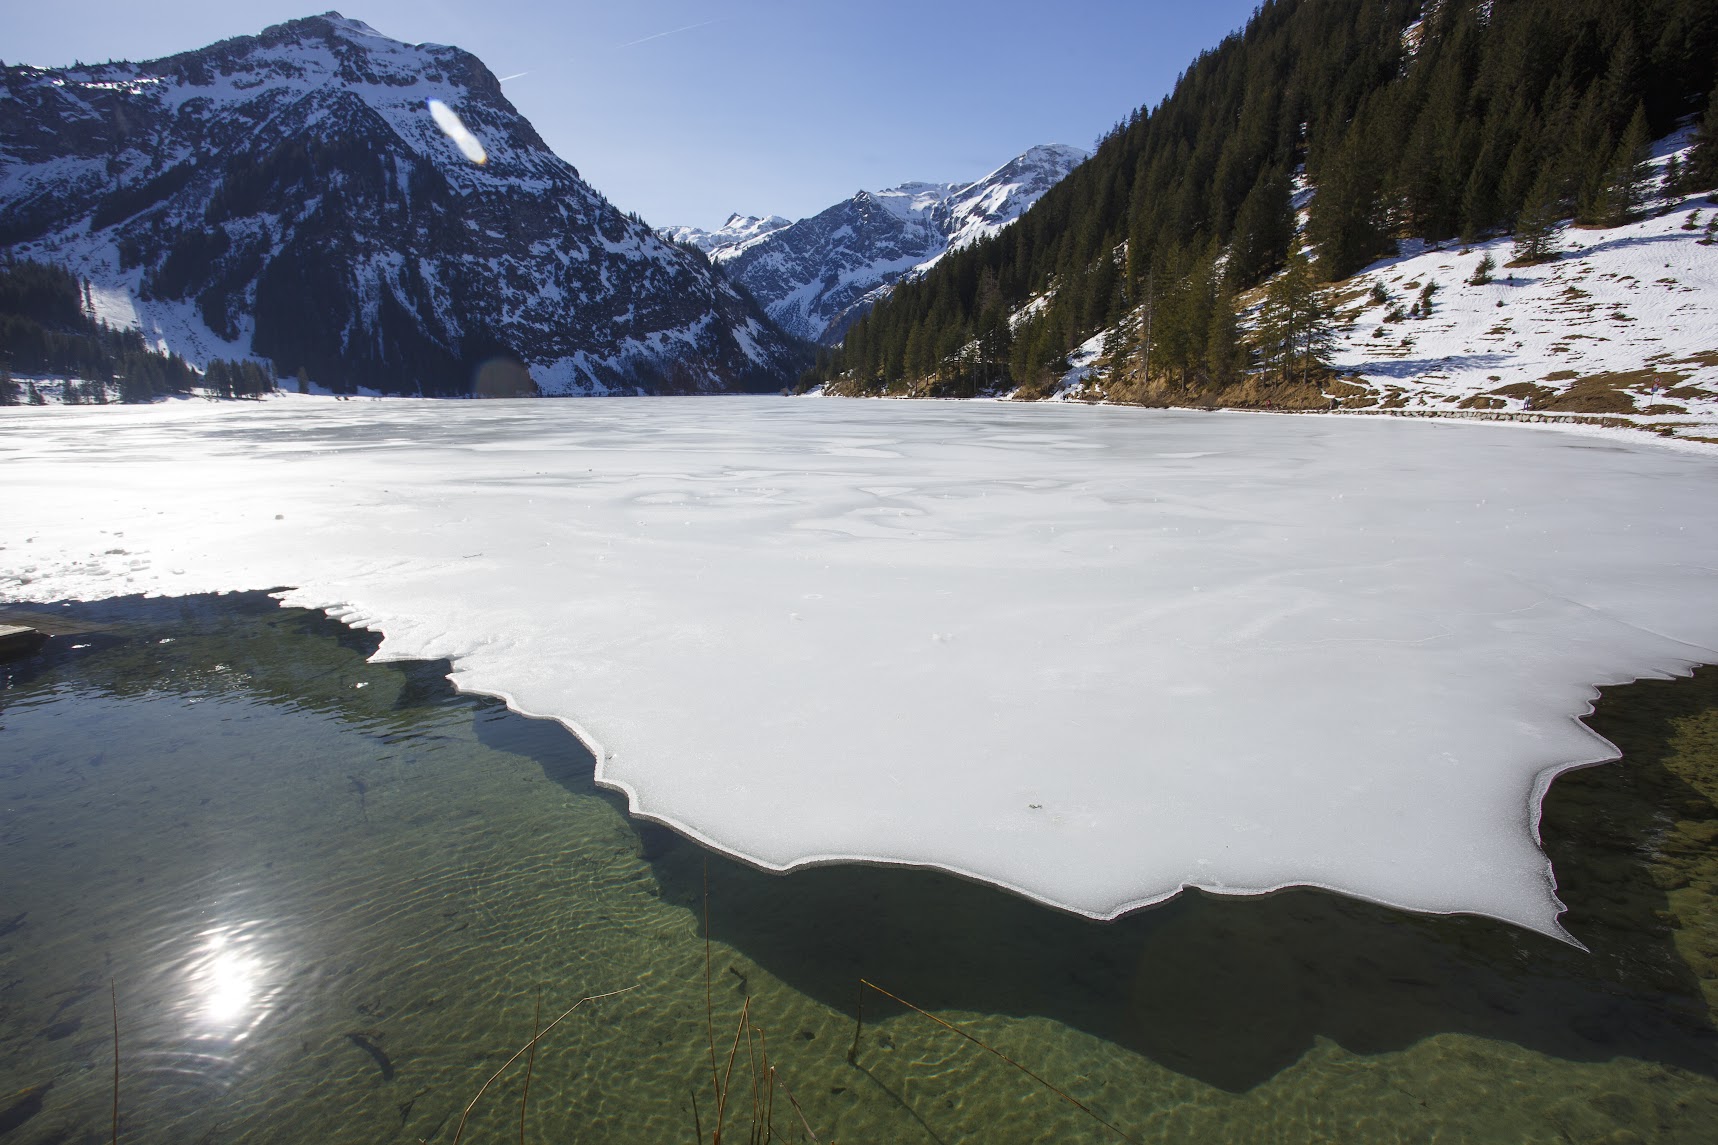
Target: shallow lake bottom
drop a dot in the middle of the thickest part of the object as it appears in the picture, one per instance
(328, 898)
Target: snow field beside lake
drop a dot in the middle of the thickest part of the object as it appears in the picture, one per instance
(1627, 309)
(1638, 301)
(1093, 655)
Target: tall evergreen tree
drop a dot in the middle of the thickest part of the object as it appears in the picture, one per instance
(1296, 326)
(1264, 228)
(1535, 227)
(1701, 172)
(1225, 353)
(1628, 179)
(1348, 222)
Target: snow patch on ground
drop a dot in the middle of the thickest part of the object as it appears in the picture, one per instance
(1634, 308)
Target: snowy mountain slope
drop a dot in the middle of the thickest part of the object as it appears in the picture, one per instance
(980, 209)
(1624, 323)
(818, 275)
(1622, 326)
(290, 195)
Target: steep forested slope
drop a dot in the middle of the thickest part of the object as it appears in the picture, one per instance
(46, 327)
(1337, 126)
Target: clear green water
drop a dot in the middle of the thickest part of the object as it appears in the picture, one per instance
(328, 892)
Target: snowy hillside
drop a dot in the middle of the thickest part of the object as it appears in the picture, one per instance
(293, 196)
(1622, 325)
(817, 276)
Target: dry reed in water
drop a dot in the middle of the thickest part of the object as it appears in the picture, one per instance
(113, 993)
(530, 1062)
(530, 1045)
(853, 1053)
(764, 1074)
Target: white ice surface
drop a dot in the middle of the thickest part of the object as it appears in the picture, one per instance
(1091, 654)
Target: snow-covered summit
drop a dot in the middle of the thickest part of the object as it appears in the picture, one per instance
(818, 275)
(980, 209)
(738, 231)
(291, 196)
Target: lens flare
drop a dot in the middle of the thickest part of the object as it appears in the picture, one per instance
(454, 128)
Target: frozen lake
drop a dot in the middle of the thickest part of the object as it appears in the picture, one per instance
(1092, 655)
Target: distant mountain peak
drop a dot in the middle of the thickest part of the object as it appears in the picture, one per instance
(730, 236)
(817, 275)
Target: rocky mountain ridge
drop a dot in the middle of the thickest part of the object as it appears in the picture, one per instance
(291, 196)
(818, 275)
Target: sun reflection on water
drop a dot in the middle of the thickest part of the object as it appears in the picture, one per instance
(228, 979)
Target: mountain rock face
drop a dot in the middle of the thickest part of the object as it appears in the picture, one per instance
(817, 276)
(291, 195)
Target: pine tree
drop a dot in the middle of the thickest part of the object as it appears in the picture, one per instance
(1264, 229)
(992, 338)
(1296, 327)
(1701, 172)
(1628, 178)
(1535, 226)
(1347, 223)
(1225, 355)
(9, 391)
(1670, 189)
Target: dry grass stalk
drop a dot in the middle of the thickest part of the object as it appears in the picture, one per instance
(113, 993)
(709, 1006)
(530, 1062)
(1087, 1110)
(752, 1056)
(722, 1090)
(466, 1116)
(779, 1080)
(769, 1100)
(858, 1022)
(764, 1075)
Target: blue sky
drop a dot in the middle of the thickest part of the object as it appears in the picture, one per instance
(686, 110)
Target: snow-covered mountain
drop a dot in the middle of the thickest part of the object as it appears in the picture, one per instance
(736, 232)
(818, 275)
(291, 195)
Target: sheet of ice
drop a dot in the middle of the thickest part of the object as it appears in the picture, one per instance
(1090, 654)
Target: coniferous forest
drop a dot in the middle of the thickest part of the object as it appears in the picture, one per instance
(1442, 121)
(46, 327)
